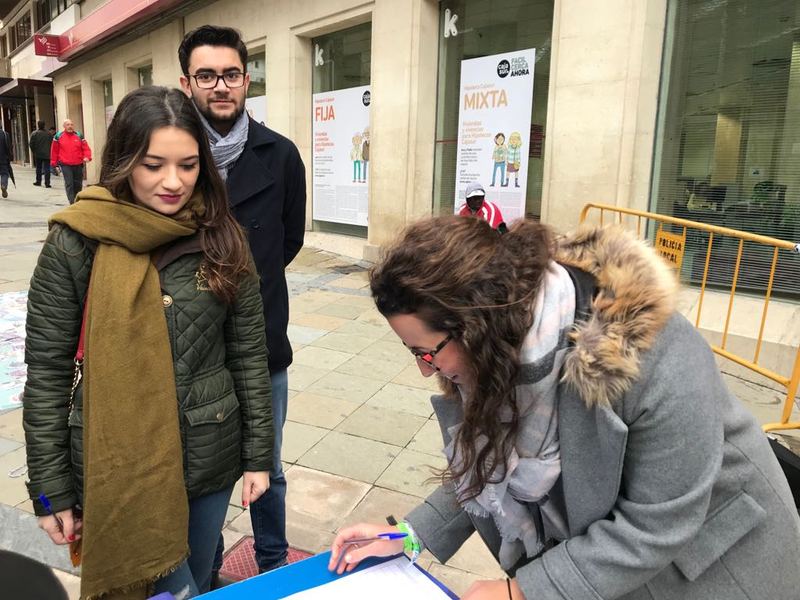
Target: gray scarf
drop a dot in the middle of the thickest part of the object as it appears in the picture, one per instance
(227, 149)
(534, 465)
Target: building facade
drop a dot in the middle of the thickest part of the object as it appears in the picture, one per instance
(26, 90)
(683, 107)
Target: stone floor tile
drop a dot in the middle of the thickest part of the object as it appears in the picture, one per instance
(8, 445)
(318, 410)
(308, 538)
(304, 304)
(236, 495)
(304, 335)
(391, 336)
(345, 311)
(70, 582)
(321, 358)
(20, 533)
(456, 580)
(298, 438)
(12, 490)
(317, 321)
(382, 424)
(11, 425)
(475, 557)
(231, 537)
(363, 329)
(301, 376)
(362, 301)
(351, 388)
(325, 296)
(390, 351)
(350, 456)
(242, 523)
(403, 398)
(343, 342)
(348, 282)
(26, 506)
(409, 473)
(412, 377)
(372, 368)
(428, 439)
(233, 511)
(309, 257)
(372, 316)
(322, 500)
(380, 503)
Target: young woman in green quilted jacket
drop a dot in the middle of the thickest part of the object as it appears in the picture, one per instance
(148, 277)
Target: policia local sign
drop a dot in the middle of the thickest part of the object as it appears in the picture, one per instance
(494, 124)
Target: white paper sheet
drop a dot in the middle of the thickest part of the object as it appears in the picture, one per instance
(396, 579)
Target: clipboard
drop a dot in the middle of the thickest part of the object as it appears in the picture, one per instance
(300, 576)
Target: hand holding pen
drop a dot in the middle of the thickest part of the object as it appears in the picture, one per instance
(62, 527)
(357, 542)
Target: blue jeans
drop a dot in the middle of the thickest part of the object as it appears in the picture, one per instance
(501, 166)
(268, 513)
(206, 517)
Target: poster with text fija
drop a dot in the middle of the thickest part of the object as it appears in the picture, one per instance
(494, 124)
(341, 166)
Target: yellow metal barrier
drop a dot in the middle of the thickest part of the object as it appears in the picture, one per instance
(673, 252)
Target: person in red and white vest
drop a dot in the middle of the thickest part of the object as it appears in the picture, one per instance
(476, 205)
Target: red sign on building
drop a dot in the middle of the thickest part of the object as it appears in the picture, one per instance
(46, 45)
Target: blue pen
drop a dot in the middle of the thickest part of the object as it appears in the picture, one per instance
(394, 535)
(49, 508)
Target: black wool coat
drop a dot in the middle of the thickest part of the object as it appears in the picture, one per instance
(267, 192)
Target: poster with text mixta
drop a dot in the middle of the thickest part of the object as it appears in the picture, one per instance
(341, 165)
(494, 122)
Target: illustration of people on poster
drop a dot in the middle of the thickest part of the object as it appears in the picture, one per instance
(494, 123)
(341, 166)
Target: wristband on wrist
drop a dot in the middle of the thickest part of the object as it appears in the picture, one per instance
(411, 541)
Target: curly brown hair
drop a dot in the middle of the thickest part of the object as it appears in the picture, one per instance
(463, 278)
(226, 257)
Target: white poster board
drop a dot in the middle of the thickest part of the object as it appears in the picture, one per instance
(494, 124)
(341, 165)
(256, 108)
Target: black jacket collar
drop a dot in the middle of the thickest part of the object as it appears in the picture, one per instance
(249, 176)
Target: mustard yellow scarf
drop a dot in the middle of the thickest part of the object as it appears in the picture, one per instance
(135, 522)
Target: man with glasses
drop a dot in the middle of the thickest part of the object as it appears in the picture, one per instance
(265, 178)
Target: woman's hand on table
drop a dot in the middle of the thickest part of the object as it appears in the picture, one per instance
(353, 553)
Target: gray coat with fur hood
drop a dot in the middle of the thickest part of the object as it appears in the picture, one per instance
(671, 489)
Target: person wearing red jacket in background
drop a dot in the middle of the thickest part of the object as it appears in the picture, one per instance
(69, 151)
(477, 206)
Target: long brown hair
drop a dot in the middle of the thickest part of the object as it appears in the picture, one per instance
(463, 278)
(226, 258)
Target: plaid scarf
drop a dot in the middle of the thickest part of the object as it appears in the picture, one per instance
(534, 465)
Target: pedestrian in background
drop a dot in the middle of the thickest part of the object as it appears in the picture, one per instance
(266, 185)
(40, 143)
(476, 205)
(589, 436)
(70, 151)
(149, 275)
(6, 156)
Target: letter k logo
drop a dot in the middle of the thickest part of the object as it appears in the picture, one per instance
(450, 23)
(318, 60)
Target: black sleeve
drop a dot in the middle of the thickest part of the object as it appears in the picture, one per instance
(294, 207)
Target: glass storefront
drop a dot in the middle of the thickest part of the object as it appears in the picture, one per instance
(342, 61)
(728, 132)
(482, 28)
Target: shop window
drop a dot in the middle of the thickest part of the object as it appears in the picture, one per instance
(341, 167)
(728, 136)
(475, 29)
(256, 101)
(3, 48)
(144, 75)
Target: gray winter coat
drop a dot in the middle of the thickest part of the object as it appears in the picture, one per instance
(671, 489)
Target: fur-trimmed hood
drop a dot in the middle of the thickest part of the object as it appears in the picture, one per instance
(636, 296)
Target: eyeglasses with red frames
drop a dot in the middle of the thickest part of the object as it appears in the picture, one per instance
(428, 356)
